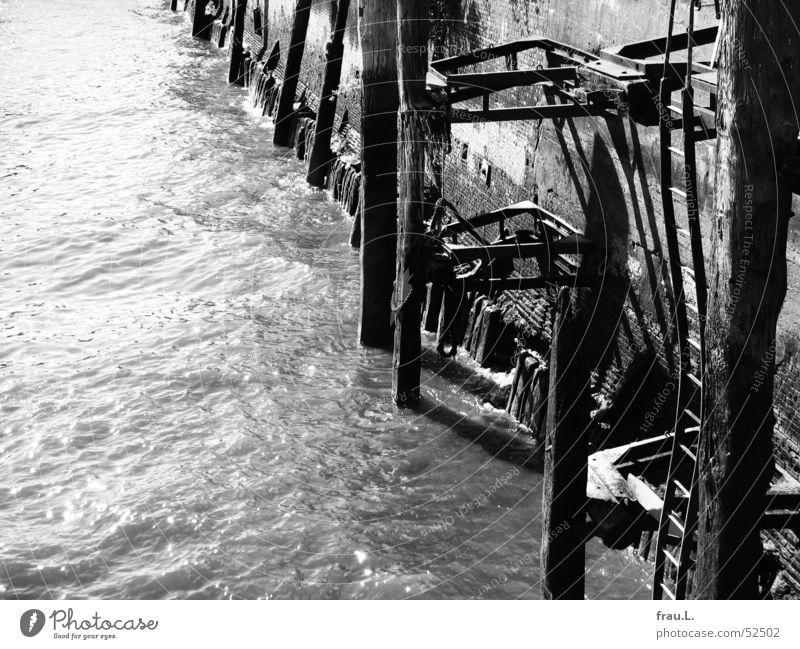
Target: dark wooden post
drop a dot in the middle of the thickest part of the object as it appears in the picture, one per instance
(757, 124)
(237, 44)
(569, 405)
(201, 23)
(415, 106)
(173, 5)
(294, 59)
(319, 162)
(379, 104)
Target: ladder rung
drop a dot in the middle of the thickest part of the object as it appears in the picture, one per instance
(671, 558)
(705, 134)
(692, 415)
(695, 343)
(677, 522)
(692, 429)
(695, 380)
(669, 593)
(678, 192)
(693, 308)
(688, 452)
(677, 151)
(681, 487)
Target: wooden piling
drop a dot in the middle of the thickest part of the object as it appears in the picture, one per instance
(173, 5)
(282, 135)
(757, 124)
(379, 105)
(237, 43)
(433, 308)
(319, 160)
(415, 108)
(569, 404)
(201, 23)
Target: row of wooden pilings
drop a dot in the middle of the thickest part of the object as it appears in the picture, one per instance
(396, 113)
(394, 129)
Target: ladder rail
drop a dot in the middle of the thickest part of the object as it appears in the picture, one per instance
(687, 541)
(676, 279)
(687, 389)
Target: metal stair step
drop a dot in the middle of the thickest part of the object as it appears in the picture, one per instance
(681, 487)
(688, 452)
(676, 191)
(671, 558)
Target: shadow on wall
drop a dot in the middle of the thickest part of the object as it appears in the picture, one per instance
(606, 215)
(611, 211)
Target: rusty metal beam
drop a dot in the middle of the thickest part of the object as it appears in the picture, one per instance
(639, 50)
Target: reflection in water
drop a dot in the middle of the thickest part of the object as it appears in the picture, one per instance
(184, 410)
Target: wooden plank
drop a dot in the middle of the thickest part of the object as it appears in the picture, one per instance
(655, 47)
(487, 54)
(643, 493)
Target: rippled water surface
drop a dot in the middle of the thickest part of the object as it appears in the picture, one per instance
(184, 410)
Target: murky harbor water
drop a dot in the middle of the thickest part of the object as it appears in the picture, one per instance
(183, 407)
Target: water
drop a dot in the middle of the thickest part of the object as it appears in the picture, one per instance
(184, 410)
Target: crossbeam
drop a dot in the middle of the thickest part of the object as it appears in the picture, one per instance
(496, 285)
(573, 244)
(472, 85)
(542, 111)
(512, 47)
(523, 207)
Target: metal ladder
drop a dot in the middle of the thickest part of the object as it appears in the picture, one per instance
(676, 544)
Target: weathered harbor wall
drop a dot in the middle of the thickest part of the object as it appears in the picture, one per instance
(595, 173)
(598, 174)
